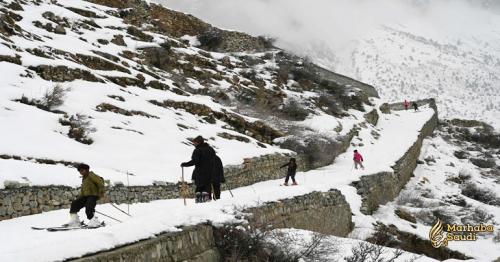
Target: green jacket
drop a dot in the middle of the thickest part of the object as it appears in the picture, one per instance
(92, 185)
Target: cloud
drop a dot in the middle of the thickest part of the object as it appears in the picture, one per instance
(337, 23)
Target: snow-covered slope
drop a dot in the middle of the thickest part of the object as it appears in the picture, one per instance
(449, 50)
(135, 93)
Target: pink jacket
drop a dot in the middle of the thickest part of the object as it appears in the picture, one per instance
(358, 157)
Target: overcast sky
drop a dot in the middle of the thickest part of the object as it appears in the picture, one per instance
(337, 23)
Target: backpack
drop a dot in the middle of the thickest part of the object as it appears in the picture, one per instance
(218, 170)
(103, 182)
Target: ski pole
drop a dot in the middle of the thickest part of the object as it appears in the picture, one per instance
(128, 189)
(113, 205)
(107, 216)
(230, 192)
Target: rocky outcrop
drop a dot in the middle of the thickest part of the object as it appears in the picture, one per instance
(318, 150)
(231, 41)
(63, 73)
(192, 244)
(11, 59)
(105, 107)
(380, 188)
(257, 129)
(323, 212)
(372, 117)
(177, 24)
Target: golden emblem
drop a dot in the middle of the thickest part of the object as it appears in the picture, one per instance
(437, 236)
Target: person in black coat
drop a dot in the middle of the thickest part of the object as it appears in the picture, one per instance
(292, 169)
(218, 177)
(203, 159)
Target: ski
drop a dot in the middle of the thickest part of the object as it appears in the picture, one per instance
(66, 228)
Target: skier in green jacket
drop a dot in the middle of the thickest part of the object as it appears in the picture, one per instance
(92, 190)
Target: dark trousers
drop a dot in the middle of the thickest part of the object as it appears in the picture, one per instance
(216, 189)
(288, 175)
(89, 202)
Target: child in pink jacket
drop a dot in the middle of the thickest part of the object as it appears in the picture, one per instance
(358, 159)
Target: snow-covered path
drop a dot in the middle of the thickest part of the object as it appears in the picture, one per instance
(397, 132)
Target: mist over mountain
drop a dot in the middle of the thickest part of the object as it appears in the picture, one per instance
(406, 48)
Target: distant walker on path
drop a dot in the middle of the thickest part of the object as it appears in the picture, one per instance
(292, 169)
(358, 159)
(415, 106)
(406, 104)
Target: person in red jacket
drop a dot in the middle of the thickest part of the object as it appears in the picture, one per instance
(406, 104)
(358, 159)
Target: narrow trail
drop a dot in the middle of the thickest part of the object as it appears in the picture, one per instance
(398, 131)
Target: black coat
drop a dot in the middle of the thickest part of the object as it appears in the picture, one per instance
(203, 160)
(292, 167)
(218, 175)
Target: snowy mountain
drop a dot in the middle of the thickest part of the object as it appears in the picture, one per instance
(406, 49)
(125, 85)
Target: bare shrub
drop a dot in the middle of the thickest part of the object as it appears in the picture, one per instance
(477, 215)
(294, 110)
(409, 198)
(79, 128)
(210, 39)
(464, 174)
(329, 104)
(471, 190)
(247, 244)
(317, 248)
(364, 252)
(54, 97)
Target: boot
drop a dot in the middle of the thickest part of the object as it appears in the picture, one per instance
(285, 184)
(198, 197)
(94, 222)
(205, 196)
(294, 183)
(74, 220)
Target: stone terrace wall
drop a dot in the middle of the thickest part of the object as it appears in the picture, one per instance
(259, 169)
(324, 212)
(192, 244)
(380, 188)
(22, 201)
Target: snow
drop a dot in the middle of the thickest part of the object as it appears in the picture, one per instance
(30, 132)
(399, 130)
(432, 179)
(340, 247)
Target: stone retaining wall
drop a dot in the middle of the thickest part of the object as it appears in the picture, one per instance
(323, 212)
(192, 244)
(380, 188)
